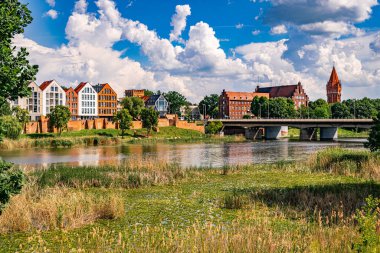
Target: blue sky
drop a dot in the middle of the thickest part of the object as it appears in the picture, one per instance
(234, 44)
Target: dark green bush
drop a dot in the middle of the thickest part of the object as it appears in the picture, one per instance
(11, 182)
(214, 127)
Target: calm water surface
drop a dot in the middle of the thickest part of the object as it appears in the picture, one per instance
(193, 154)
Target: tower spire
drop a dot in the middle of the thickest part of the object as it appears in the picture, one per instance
(334, 88)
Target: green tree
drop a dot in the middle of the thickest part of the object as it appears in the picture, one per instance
(59, 117)
(319, 109)
(214, 127)
(5, 107)
(374, 136)
(282, 108)
(15, 70)
(176, 100)
(10, 127)
(211, 103)
(22, 115)
(11, 182)
(134, 105)
(124, 120)
(303, 112)
(149, 119)
(340, 111)
(148, 93)
(259, 106)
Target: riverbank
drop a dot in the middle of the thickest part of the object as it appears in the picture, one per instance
(152, 206)
(294, 133)
(110, 137)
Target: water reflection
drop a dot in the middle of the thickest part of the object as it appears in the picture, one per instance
(188, 155)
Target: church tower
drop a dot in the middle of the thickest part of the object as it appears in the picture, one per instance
(334, 88)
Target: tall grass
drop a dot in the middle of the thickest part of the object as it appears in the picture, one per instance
(347, 162)
(128, 175)
(58, 208)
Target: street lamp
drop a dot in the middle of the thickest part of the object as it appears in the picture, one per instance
(354, 108)
(260, 111)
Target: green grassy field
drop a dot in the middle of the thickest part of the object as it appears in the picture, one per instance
(153, 207)
(342, 133)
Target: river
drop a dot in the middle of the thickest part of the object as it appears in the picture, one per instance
(187, 154)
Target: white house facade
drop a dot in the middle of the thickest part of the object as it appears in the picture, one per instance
(33, 103)
(87, 101)
(52, 95)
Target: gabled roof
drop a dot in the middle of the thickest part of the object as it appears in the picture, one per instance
(70, 89)
(45, 84)
(279, 91)
(99, 87)
(80, 87)
(145, 98)
(334, 79)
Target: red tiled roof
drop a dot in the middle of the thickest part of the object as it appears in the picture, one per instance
(45, 84)
(145, 98)
(279, 91)
(244, 95)
(80, 87)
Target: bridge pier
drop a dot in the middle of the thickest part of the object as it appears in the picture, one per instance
(273, 132)
(329, 133)
(253, 133)
(308, 134)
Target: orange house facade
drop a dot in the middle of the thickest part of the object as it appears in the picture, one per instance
(72, 102)
(107, 101)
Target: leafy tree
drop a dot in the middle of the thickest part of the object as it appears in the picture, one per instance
(134, 105)
(319, 109)
(15, 70)
(22, 115)
(176, 101)
(11, 182)
(374, 136)
(362, 108)
(340, 111)
(5, 107)
(148, 93)
(10, 127)
(124, 119)
(214, 127)
(259, 106)
(303, 112)
(149, 119)
(247, 116)
(211, 103)
(59, 117)
(282, 108)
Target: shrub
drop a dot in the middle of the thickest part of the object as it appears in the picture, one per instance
(368, 219)
(10, 127)
(233, 200)
(374, 137)
(11, 182)
(214, 127)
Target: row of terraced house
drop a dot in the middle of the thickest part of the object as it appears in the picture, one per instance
(86, 101)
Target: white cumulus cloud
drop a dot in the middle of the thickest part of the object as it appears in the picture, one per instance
(53, 14)
(279, 29)
(179, 21)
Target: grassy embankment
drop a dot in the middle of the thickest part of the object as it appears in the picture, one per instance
(155, 207)
(109, 137)
(342, 133)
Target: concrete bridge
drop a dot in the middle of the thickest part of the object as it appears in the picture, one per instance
(270, 129)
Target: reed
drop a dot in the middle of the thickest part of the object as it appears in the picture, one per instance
(58, 208)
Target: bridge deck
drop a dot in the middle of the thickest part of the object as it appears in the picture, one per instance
(298, 123)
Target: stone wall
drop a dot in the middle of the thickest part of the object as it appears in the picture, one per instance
(42, 126)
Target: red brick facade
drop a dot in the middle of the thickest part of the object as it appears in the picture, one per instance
(234, 105)
(334, 88)
(295, 92)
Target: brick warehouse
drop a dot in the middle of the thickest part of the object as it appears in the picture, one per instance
(234, 105)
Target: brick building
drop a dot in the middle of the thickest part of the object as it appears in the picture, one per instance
(107, 101)
(334, 88)
(295, 92)
(72, 102)
(234, 105)
(135, 93)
